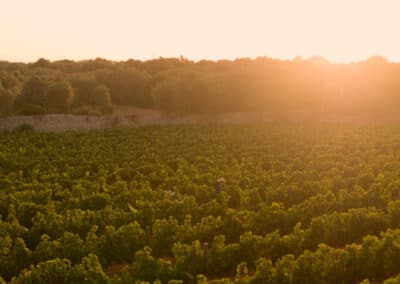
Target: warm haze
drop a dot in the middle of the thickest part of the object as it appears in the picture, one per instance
(341, 31)
(208, 141)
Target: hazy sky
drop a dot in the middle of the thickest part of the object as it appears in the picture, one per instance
(340, 30)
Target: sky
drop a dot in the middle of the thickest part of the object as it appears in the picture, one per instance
(339, 30)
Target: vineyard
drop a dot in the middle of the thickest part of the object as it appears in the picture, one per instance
(315, 203)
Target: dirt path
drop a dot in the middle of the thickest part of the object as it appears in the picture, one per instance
(129, 116)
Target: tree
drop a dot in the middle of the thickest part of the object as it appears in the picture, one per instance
(163, 95)
(90, 96)
(183, 91)
(33, 96)
(83, 85)
(7, 98)
(8, 80)
(59, 97)
(101, 98)
(41, 62)
(130, 86)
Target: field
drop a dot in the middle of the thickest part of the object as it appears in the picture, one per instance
(302, 203)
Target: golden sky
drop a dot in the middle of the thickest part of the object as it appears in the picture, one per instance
(339, 30)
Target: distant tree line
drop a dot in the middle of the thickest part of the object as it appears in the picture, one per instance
(183, 86)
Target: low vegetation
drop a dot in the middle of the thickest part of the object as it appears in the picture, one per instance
(300, 204)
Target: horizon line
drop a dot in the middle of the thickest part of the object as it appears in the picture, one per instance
(299, 58)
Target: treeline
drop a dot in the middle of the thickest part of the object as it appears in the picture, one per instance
(183, 86)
